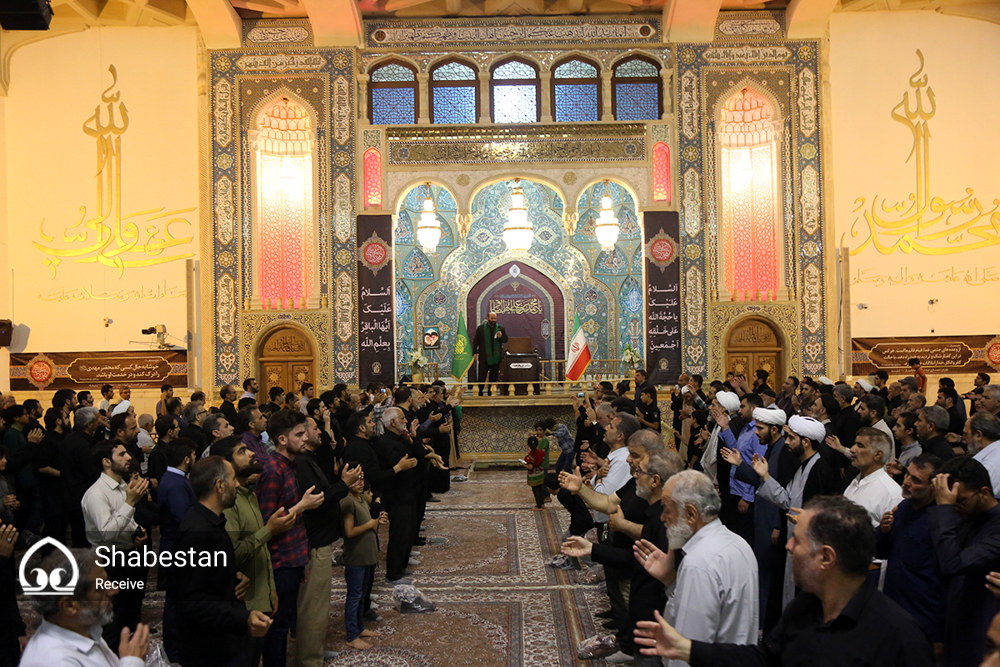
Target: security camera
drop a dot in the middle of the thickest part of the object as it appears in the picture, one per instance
(157, 329)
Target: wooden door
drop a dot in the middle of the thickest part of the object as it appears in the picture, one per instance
(753, 344)
(286, 360)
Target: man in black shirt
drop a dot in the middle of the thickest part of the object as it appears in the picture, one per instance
(965, 530)
(839, 619)
(400, 498)
(359, 449)
(323, 528)
(932, 425)
(228, 407)
(647, 410)
(213, 623)
(78, 470)
(45, 459)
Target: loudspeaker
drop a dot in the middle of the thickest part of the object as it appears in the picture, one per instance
(25, 14)
(6, 332)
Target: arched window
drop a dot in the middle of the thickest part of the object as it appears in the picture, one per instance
(373, 178)
(751, 215)
(637, 89)
(283, 142)
(576, 91)
(392, 94)
(661, 172)
(515, 92)
(454, 93)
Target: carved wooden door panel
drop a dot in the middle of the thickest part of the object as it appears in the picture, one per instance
(287, 359)
(753, 344)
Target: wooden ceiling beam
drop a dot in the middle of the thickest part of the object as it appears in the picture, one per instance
(808, 19)
(335, 22)
(690, 20)
(218, 22)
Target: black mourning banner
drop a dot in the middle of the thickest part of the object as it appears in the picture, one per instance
(663, 296)
(376, 330)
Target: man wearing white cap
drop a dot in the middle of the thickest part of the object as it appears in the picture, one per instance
(769, 523)
(813, 478)
(737, 505)
(728, 402)
(862, 388)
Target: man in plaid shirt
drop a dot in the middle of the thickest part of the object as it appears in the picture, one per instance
(277, 491)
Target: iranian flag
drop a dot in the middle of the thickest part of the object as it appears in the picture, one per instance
(579, 352)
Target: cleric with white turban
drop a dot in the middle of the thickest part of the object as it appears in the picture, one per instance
(807, 427)
(121, 407)
(729, 401)
(771, 415)
(865, 385)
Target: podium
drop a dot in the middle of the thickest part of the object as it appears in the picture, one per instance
(520, 366)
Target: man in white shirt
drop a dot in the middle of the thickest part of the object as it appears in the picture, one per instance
(108, 511)
(144, 439)
(107, 393)
(713, 594)
(873, 489)
(619, 471)
(982, 435)
(70, 633)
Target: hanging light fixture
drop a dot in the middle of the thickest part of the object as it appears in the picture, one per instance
(607, 228)
(429, 227)
(517, 231)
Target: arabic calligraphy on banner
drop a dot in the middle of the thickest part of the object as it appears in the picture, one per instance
(138, 293)
(79, 370)
(940, 354)
(517, 306)
(924, 223)
(109, 236)
(663, 296)
(376, 330)
(975, 276)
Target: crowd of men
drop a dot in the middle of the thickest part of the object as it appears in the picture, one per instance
(257, 482)
(819, 523)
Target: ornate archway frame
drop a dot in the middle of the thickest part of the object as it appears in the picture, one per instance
(783, 318)
(250, 134)
(780, 123)
(545, 294)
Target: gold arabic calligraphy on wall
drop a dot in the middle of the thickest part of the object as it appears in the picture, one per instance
(109, 237)
(922, 223)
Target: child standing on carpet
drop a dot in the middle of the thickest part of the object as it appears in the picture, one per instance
(566, 445)
(360, 557)
(534, 462)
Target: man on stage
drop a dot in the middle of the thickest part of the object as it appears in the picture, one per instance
(488, 346)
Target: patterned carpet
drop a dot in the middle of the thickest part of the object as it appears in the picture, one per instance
(497, 604)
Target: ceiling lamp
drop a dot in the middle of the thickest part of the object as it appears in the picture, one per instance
(429, 227)
(607, 228)
(517, 231)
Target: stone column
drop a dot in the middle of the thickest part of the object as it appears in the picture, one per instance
(484, 98)
(363, 115)
(607, 113)
(668, 92)
(423, 95)
(545, 91)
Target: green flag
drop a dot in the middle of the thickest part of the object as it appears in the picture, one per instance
(462, 359)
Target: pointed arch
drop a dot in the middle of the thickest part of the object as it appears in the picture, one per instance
(393, 95)
(747, 138)
(515, 90)
(454, 91)
(637, 88)
(576, 89)
(285, 232)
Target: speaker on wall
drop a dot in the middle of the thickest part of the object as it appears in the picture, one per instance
(25, 14)
(6, 332)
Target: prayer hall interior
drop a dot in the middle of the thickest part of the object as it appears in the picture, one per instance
(338, 195)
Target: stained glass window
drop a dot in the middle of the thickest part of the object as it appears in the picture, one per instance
(373, 178)
(751, 221)
(283, 142)
(392, 94)
(661, 172)
(515, 92)
(637, 89)
(576, 92)
(454, 93)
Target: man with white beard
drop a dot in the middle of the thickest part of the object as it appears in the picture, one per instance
(713, 592)
(70, 633)
(646, 594)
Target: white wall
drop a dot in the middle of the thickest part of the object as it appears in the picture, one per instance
(873, 55)
(56, 85)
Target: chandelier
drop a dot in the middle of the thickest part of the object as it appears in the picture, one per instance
(517, 231)
(607, 228)
(429, 227)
